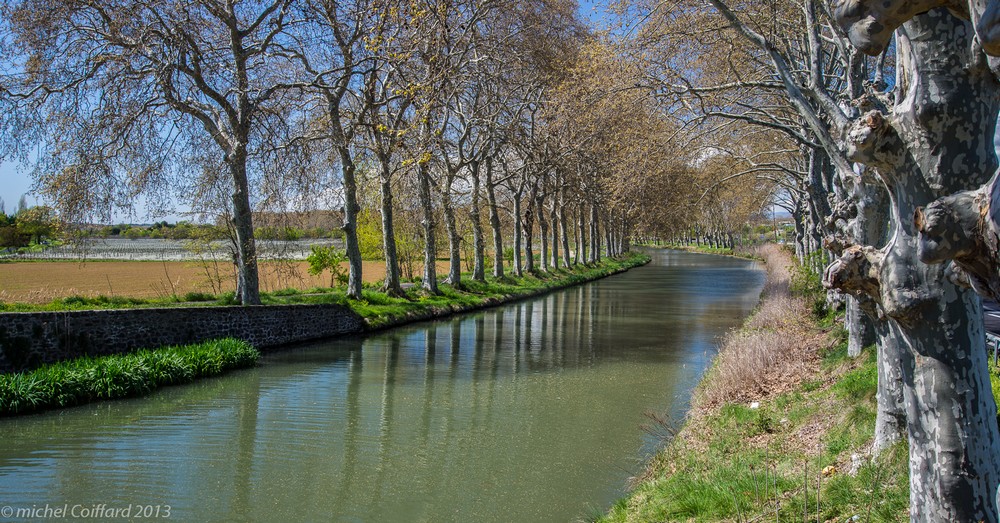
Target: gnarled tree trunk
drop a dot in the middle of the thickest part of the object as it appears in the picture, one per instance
(937, 141)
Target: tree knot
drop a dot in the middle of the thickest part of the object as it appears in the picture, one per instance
(855, 271)
(866, 136)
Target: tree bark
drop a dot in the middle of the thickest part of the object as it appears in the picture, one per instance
(491, 200)
(518, 271)
(429, 283)
(246, 248)
(478, 262)
(609, 240)
(579, 255)
(591, 226)
(529, 229)
(554, 220)
(890, 417)
(350, 227)
(860, 329)
(543, 230)
(454, 239)
(937, 141)
(391, 286)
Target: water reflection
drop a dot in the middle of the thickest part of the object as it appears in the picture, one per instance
(528, 412)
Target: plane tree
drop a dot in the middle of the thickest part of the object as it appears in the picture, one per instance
(932, 334)
(123, 94)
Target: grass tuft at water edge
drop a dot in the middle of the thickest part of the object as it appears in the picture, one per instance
(87, 379)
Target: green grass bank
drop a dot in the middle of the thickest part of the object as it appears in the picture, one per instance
(780, 427)
(378, 309)
(381, 311)
(89, 379)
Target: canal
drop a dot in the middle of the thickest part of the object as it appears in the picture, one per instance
(530, 412)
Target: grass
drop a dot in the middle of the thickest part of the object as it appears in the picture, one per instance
(380, 310)
(779, 430)
(90, 379)
(376, 307)
(116, 376)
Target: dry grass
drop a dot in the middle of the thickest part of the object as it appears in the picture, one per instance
(776, 348)
(733, 460)
(41, 282)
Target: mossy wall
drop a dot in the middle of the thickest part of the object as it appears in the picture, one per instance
(30, 339)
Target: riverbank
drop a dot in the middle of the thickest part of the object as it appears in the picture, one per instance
(380, 311)
(779, 428)
(33, 390)
(116, 376)
(374, 303)
(529, 411)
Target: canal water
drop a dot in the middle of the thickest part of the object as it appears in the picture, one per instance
(531, 412)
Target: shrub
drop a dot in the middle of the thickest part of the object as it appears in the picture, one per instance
(328, 258)
(808, 283)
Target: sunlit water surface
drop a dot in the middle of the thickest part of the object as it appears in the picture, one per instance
(531, 412)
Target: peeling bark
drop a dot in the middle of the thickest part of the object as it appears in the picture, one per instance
(938, 140)
(890, 414)
(870, 23)
(962, 227)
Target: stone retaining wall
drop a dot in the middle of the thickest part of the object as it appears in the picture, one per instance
(30, 339)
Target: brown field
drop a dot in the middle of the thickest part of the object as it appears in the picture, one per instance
(41, 282)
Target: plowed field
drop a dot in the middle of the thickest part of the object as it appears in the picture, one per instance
(41, 282)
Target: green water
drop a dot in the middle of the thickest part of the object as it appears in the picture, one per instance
(526, 413)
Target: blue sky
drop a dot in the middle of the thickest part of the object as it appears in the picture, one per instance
(13, 185)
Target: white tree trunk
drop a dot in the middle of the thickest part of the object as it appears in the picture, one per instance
(430, 243)
(478, 262)
(937, 141)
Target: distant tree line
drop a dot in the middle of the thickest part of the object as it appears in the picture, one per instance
(27, 226)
